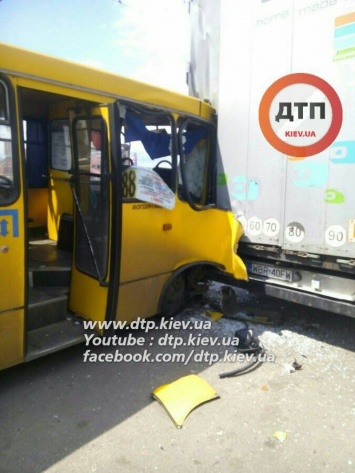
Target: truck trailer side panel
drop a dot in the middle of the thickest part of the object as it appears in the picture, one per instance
(298, 213)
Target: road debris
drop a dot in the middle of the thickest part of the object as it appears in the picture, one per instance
(231, 308)
(180, 397)
(281, 436)
(296, 365)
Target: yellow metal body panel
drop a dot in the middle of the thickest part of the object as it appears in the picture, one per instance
(60, 201)
(87, 298)
(140, 298)
(12, 281)
(148, 249)
(180, 397)
(82, 78)
(150, 254)
(12, 258)
(11, 338)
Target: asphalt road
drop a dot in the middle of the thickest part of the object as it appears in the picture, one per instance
(61, 414)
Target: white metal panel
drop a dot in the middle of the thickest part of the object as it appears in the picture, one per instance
(302, 205)
(320, 193)
(257, 40)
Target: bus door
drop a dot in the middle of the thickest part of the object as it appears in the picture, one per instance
(97, 216)
(12, 235)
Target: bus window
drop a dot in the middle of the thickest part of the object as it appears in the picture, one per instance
(60, 145)
(3, 103)
(7, 188)
(146, 140)
(36, 152)
(196, 170)
(91, 154)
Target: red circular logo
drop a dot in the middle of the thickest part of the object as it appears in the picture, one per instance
(300, 115)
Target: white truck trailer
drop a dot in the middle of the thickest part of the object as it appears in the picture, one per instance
(298, 214)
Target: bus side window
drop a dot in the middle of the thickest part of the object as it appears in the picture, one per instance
(196, 168)
(8, 191)
(146, 142)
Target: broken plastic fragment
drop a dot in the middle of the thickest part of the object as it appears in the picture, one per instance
(180, 397)
(214, 315)
(296, 365)
(279, 435)
(289, 368)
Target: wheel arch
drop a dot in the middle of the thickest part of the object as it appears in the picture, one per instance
(173, 283)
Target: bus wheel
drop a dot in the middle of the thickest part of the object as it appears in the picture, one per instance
(174, 296)
(197, 282)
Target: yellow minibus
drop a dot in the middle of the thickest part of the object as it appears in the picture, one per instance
(108, 205)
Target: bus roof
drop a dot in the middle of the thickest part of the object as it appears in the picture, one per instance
(20, 62)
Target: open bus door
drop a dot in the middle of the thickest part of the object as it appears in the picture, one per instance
(12, 235)
(97, 216)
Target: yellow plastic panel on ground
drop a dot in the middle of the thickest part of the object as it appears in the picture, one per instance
(180, 397)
